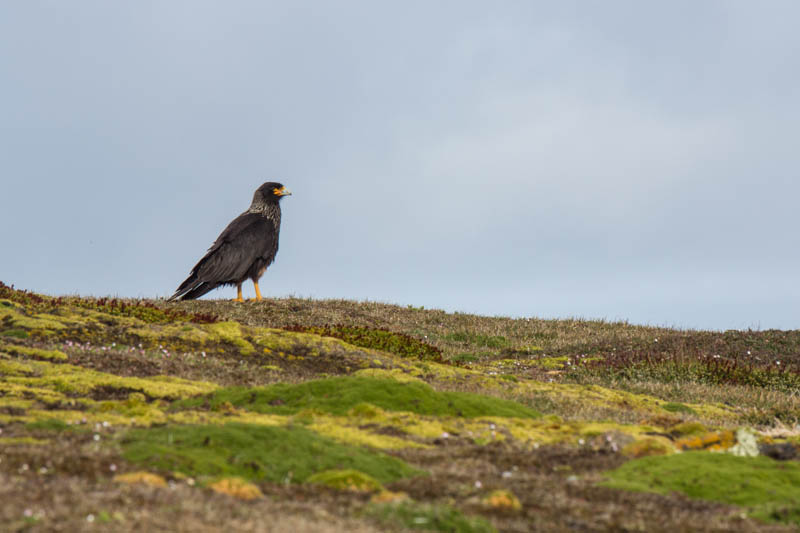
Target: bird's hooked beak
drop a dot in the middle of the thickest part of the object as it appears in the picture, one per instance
(283, 191)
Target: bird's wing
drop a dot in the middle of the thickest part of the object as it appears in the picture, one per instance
(245, 239)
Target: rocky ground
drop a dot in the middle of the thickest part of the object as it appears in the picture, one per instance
(302, 415)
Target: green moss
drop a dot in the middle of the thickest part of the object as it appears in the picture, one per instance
(17, 333)
(675, 407)
(49, 424)
(426, 517)
(341, 394)
(276, 454)
(768, 488)
(352, 480)
(376, 339)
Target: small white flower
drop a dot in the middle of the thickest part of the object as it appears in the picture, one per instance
(28, 513)
(90, 518)
(96, 437)
(478, 484)
(506, 474)
(112, 467)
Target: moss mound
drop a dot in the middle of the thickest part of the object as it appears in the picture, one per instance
(770, 489)
(376, 339)
(350, 480)
(340, 394)
(251, 452)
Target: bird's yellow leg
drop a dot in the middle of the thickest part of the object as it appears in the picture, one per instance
(258, 292)
(238, 294)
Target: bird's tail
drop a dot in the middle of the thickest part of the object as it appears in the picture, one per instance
(192, 288)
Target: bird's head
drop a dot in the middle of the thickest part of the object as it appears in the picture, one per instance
(270, 192)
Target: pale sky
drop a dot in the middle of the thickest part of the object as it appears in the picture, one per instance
(621, 160)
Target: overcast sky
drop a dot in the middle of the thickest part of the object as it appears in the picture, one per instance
(623, 160)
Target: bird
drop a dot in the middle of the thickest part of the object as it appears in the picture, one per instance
(243, 250)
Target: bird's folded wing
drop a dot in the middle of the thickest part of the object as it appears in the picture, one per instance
(247, 238)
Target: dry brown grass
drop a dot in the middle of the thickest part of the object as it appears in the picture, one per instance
(457, 332)
(59, 486)
(435, 326)
(489, 338)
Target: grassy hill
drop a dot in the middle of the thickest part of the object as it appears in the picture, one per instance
(296, 414)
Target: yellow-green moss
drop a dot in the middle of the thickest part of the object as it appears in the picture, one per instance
(42, 321)
(230, 332)
(349, 480)
(70, 379)
(397, 374)
(548, 363)
(236, 487)
(51, 355)
(15, 392)
(616, 399)
(647, 447)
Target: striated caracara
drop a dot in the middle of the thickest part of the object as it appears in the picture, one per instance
(243, 250)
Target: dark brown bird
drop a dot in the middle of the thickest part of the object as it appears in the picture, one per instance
(243, 250)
